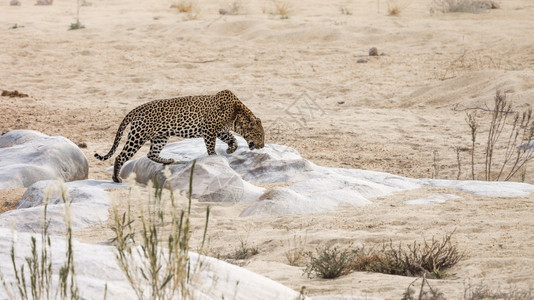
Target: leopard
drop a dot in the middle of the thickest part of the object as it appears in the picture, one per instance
(204, 116)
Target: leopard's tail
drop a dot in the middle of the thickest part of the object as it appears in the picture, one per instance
(127, 120)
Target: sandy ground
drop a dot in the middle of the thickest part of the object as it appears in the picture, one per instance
(398, 113)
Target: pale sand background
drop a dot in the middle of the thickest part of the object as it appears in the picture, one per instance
(390, 114)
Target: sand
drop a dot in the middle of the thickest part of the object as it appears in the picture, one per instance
(398, 113)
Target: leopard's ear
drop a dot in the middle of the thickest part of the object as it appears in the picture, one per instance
(225, 93)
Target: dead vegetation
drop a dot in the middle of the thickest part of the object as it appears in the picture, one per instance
(509, 145)
(190, 8)
(462, 6)
(481, 291)
(428, 258)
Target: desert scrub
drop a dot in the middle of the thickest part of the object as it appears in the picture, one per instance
(429, 258)
(462, 6)
(481, 291)
(329, 262)
(241, 254)
(157, 265)
(39, 263)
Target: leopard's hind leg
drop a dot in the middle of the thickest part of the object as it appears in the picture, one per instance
(133, 144)
(157, 144)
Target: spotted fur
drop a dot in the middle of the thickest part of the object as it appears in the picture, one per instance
(207, 116)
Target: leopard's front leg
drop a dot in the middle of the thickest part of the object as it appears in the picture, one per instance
(229, 139)
(209, 140)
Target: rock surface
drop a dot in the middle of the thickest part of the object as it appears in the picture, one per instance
(287, 183)
(97, 267)
(231, 178)
(89, 205)
(29, 156)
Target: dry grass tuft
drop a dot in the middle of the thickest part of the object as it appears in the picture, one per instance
(282, 9)
(394, 11)
(189, 8)
(395, 7)
(295, 252)
(233, 9)
(183, 6)
(469, 60)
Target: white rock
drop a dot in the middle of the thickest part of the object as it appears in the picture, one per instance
(484, 188)
(213, 179)
(28, 156)
(89, 205)
(17, 137)
(308, 188)
(439, 198)
(96, 266)
(224, 177)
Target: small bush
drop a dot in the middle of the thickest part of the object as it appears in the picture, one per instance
(481, 291)
(77, 25)
(329, 262)
(242, 252)
(463, 6)
(417, 259)
(345, 11)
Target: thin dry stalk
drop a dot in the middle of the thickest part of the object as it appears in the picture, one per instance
(473, 125)
(146, 262)
(459, 163)
(521, 143)
(295, 252)
(39, 263)
(498, 120)
(435, 164)
(433, 294)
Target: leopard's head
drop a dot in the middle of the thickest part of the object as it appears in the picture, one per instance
(250, 128)
(253, 133)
